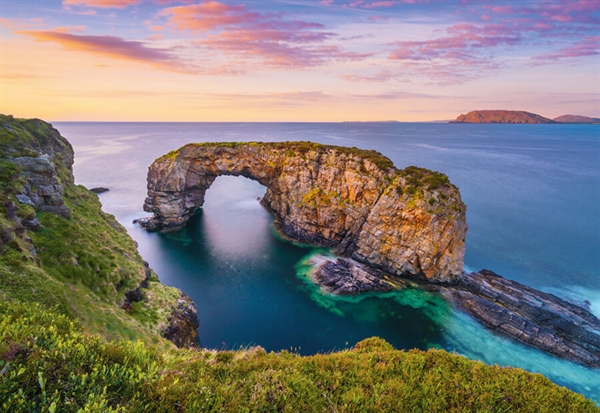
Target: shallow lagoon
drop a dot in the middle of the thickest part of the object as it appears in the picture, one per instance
(533, 198)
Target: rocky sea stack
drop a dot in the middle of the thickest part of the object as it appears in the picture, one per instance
(408, 222)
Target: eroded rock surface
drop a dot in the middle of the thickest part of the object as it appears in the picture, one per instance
(183, 324)
(530, 316)
(345, 276)
(407, 222)
(506, 307)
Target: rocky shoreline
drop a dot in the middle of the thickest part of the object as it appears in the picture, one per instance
(506, 307)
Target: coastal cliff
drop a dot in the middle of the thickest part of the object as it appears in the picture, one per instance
(57, 246)
(407, 222)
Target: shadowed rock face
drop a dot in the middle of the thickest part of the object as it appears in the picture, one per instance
(408, 222)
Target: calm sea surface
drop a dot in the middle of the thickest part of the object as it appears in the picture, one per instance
(533, 208)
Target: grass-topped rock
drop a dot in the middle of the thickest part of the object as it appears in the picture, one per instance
(407, 222)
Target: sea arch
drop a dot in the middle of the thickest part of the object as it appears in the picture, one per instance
(408, 222)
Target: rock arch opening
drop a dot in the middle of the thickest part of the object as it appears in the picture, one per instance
(406, 222)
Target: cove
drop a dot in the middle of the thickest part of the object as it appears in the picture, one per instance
(249, 285)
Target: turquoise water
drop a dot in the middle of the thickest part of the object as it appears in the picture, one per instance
(533, 198)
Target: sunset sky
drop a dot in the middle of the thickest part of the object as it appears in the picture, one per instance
(297, 60)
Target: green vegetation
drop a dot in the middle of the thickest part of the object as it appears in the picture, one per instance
(81, 266)
(303, 147)
(67, 346)
(417, 178)
(316, 197)
(48, 363)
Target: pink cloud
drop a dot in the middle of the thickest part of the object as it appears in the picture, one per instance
(121, 4)
(463, 38)
(267, 37)
(503, 9)
(111, 46)
(381, 77)
(20, 24)
(589, 46)
(116, 4)
(461, 55)
(69, 29)
(377, 4)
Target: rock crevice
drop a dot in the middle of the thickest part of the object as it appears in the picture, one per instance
(407, 222)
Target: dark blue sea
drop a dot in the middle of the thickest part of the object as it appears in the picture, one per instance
(533, 208)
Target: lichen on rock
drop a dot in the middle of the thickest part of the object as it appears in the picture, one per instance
(407, 222)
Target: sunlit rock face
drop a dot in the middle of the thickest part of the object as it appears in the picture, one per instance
(408, 222)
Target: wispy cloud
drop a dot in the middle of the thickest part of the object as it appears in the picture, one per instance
(120, 4)
(266, 38)
(589, 46)
(113, 47)
(380, 77)
(365, 4)
(116, 4)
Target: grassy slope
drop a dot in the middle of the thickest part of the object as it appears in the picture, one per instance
(47, 362)
(86, 262)
(59, 320)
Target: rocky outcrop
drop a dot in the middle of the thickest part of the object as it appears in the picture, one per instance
(407, 222)
(501, 116)
(45, 162)
(183, 324)
(43, 189)
(506, 307)
(344, 276)
(530, 316)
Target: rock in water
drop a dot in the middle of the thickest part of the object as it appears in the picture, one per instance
(345, 276)
(530, 316)
(407, 222)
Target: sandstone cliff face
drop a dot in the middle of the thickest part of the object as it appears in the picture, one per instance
(409, 222)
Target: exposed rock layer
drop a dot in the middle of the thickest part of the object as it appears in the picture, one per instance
(506, 307)
(408, 222)
(183, 324)
(530, 316)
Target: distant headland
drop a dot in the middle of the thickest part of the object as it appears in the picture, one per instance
(518, 117)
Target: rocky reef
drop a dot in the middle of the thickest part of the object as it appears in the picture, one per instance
(506, 307)
(530, 316)
(408, 222)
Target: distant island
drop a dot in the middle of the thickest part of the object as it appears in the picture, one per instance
(576, 119)
(518, 117)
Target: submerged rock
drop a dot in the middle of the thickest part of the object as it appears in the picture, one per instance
(99, 190)
(407, 222)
